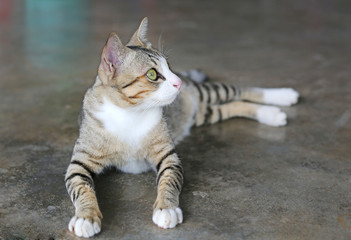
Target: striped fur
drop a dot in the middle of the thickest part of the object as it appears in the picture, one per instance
(124, 123)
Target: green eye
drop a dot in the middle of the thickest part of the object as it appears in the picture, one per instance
(152, 74)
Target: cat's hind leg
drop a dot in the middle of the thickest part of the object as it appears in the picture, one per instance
(274, 96)
(219, 93)
(269, 115)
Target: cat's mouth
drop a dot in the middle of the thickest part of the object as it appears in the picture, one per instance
(167, 92)
(170, 99)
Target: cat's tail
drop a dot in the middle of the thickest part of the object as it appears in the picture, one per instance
(213, 93)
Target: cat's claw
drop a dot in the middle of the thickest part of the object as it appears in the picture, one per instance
(271, 116)
(280, 96)
(167, 218)
(83, 227)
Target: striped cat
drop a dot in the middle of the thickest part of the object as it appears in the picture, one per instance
(123, 124)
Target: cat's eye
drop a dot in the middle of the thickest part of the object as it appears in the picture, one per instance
(152, 74)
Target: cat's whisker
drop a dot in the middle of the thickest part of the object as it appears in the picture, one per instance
(150, 105)
(167, 52)
(160, 43)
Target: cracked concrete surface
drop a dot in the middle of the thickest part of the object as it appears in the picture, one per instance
(243, 180)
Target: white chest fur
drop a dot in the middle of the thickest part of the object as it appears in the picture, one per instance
(128, 125)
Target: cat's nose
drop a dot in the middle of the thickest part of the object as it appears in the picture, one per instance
(177, 83)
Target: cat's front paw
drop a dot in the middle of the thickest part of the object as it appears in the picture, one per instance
(280, 96)
(167, 218)
(83, 227)
(271, 116)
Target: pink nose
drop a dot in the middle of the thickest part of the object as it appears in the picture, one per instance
(177, 84)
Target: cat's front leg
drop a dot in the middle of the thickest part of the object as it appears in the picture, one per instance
(87, 219)
(80, 187)
(167, 213)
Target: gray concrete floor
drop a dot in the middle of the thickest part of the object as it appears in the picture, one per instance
(243, 180)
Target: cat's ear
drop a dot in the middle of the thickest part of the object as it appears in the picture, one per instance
(112, 57)
(139, 37)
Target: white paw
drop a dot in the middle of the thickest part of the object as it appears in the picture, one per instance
(167, 218)
(271, 116)
(83, 227)
(280, 96)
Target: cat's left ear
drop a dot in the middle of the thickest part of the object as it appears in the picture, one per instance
(139, 37)
(113, 55)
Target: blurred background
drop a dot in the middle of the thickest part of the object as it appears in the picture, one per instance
(243, 180)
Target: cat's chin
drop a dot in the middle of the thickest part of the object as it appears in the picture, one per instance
(154, 104)
(169, 101)
(164, 101)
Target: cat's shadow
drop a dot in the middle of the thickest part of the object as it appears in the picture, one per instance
(126, 200)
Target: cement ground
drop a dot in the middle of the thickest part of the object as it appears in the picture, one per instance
(243, 180)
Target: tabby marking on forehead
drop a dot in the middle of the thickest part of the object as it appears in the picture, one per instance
(128, 124)
(147, 51)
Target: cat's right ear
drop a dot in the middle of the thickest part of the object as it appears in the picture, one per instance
(139, 37)
(112, 57)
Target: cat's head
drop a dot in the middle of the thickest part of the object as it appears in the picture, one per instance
(138, 73)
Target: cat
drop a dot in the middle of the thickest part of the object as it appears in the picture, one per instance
(124, 122)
